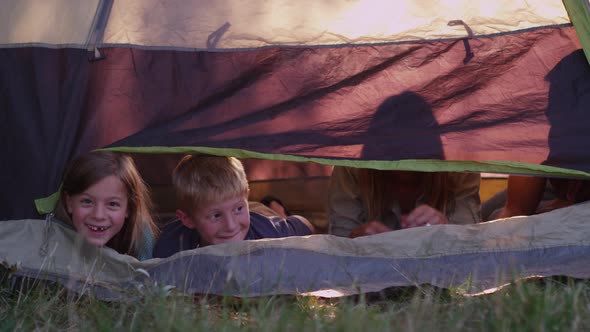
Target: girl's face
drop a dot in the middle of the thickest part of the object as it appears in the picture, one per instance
(99, 212)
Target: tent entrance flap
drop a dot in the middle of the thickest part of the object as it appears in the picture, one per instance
(487, 255)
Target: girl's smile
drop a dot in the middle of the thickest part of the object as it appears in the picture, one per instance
(99, 212)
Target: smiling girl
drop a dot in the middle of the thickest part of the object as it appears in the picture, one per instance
(105, 199)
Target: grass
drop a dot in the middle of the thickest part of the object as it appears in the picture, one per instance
(538, 305)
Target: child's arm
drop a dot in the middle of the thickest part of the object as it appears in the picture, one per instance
(465, 202)
(345, 210)
(522, 195)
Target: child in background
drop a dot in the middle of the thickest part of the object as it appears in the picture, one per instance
(105, 199)
(276, 205)
(212, 195)
(367, 201)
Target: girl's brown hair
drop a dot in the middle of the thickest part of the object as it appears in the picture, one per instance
(377, 195)
(92, 167)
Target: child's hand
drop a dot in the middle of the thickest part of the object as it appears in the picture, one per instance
(370, 228)
(423, 215)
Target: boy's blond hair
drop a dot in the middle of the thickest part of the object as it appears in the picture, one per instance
(203, 179)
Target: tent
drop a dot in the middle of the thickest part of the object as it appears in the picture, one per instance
(292, 81)
(433, 85)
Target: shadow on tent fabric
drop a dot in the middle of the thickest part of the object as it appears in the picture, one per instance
(403, 126)
(568, 112)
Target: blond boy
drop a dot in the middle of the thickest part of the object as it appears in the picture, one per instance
(212, 195)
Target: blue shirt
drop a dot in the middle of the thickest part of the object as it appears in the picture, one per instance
(176, 237)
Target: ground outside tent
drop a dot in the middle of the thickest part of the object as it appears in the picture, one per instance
(294, 89)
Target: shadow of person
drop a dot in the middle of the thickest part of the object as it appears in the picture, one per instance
(403, 127)
(568, 113)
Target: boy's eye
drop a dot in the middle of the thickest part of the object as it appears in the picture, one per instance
(239, 209)
(114, 204)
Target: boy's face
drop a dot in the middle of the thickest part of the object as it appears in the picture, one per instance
(226, 221)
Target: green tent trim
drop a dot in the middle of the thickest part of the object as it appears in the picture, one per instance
(579, 13)
(47, 204)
